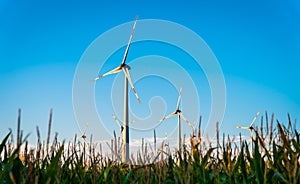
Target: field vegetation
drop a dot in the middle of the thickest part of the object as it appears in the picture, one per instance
(273, 156)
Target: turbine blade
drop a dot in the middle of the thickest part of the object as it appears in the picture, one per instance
(179, 98)
(126, 72)
(166, 117)
(86, 126)
(120, 134)
(116, 70)
(257, 114)
(116, 120)
(187, 121)
(132, 122)
(243, 127)
(129, 42)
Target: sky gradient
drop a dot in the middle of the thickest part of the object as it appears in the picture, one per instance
(257, 44)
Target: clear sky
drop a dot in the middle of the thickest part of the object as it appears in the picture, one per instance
(257, 44)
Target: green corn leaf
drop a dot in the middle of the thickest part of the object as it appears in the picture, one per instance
(4, 142)
(258, 163)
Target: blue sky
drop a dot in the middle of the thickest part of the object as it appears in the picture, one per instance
(257, 44)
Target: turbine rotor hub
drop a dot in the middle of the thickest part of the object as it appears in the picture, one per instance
(125, 66)
(178, 111)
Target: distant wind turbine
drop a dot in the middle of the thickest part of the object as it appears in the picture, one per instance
(180, 115)
(250, 127)
(120, 124)
(83, 136)
(125, 68)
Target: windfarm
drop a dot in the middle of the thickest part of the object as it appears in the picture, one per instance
(197, 158)
(149, 92)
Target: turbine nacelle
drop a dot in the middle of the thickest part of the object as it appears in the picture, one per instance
(83, 136)
(177, 111)
(124, 65)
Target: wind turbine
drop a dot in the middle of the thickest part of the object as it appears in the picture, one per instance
(125, 68)
(180, 115)
(120, 124)
(83, 136)
(250, 127)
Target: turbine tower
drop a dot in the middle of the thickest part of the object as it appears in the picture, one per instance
(180, 115)
(125, 68)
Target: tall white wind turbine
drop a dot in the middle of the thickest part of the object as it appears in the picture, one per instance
(125, 68)
(180, 115)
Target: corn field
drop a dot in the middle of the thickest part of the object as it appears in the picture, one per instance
(272, 156)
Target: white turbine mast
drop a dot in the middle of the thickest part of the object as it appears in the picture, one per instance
(125, 68)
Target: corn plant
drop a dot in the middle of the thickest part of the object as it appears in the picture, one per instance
(273, 156)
